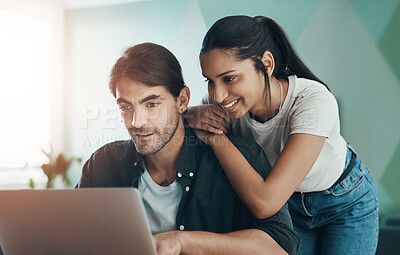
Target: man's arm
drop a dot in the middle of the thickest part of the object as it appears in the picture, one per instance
(249, 241)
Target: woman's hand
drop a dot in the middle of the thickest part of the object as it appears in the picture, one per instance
(210, 138)
(208, 117)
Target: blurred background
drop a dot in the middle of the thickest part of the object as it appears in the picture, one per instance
(56, 55)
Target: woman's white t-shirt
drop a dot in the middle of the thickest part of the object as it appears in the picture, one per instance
(309, 108)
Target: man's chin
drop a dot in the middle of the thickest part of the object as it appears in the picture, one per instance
(145, 149)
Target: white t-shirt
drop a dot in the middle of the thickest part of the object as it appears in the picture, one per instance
(161, 203)
(308, 108)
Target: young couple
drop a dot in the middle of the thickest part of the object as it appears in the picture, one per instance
(211, 180)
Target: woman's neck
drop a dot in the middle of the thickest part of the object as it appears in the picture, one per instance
(271, 105)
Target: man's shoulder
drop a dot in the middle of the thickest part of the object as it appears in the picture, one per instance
(246, 146)
(115, 145)
(253, 153)
(109, 166)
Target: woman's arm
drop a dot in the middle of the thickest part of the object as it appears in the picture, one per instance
(265, 197)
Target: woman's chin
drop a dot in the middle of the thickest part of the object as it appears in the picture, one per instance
(238, 113)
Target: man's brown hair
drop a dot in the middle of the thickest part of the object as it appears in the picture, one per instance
(150, 64)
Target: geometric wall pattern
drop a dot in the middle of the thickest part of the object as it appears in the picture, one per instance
(383, 23)
(352, 45)
(389, 42)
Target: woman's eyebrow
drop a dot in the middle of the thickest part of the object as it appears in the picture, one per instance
(219, 75)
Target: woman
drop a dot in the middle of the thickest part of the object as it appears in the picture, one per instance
(260, 89)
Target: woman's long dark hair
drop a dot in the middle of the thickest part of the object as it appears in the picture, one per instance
(248, 38)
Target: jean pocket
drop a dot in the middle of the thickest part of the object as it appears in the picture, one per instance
(352, 181)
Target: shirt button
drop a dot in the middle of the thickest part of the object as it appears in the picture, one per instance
(135, 164)
(181, 227)
(191, 174)
(187, 188)
(179, 175)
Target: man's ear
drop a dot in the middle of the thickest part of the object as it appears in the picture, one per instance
(269, 62)
(183, 99)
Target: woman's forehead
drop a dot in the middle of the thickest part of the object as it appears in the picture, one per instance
(217, 61)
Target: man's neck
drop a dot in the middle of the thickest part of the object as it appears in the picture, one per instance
(163, 164)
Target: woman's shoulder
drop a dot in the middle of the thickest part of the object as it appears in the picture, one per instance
(303, 87)
(308, 93)
(314, 109)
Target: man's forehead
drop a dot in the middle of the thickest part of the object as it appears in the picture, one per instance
(127, 89)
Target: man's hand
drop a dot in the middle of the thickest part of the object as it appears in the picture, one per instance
(248, 241)
(169, 243)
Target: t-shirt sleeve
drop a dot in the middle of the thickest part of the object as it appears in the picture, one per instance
(315, 112)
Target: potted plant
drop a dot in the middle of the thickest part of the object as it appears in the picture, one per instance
(57, 166)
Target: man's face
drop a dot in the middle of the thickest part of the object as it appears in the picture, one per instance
(150, 114)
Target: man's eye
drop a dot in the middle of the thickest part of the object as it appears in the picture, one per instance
(125, 108)
(228, 79)
(152, 105)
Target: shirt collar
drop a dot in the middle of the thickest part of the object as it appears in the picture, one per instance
(188, 160)
(187, 165)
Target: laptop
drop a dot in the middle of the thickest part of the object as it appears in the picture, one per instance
(82, 221)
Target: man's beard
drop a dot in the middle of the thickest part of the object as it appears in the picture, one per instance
(158, 139)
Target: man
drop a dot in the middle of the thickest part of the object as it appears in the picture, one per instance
(191, 206)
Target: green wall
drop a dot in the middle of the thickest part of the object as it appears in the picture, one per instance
(352, 45)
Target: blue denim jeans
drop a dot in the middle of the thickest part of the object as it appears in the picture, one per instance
(340, 220)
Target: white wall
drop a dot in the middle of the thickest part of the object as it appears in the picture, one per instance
(96, 37)
(52, 13)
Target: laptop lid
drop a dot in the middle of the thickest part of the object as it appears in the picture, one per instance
(81, 221)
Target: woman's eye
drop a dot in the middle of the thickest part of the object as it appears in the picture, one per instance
(210, 82)
(228, 79)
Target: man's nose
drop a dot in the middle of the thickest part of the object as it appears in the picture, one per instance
(139, 119)
(220, 93)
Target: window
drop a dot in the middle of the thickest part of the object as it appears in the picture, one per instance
(25, 90)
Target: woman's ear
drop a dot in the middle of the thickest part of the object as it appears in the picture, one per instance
(183, 99)
(269, 62)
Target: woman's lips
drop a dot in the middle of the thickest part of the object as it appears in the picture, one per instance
(231, 105)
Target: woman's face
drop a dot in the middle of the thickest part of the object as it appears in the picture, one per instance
(234, 84)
